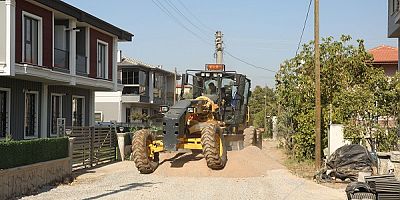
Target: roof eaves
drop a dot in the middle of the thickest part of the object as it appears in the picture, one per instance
(83, 16)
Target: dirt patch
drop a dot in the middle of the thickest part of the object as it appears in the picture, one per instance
(249, 162)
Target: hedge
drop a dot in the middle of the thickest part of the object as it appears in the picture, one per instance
(25, 152)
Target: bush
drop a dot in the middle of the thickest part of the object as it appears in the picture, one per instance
(25, 152)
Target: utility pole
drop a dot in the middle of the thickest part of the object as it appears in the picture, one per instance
(317, 88)
(218, 47)
(265, 112)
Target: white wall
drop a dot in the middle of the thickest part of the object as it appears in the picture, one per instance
(336, 138)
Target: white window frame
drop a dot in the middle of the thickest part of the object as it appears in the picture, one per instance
(8, 107)
(35, 135)
(51, 111)
(40, 36)
(83, 109)
(106, 59)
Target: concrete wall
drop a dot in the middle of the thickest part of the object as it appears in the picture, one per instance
(389, 162)
(22, 180)
(336, 138)
(2, 33)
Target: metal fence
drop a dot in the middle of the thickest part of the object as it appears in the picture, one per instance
(92, 146)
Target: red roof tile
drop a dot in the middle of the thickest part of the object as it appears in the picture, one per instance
(384, 54)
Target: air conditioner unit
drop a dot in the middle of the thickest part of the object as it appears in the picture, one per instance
(61, 126)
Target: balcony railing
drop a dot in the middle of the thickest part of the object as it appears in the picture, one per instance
(61, 59)
(81, 67)
(132, 98)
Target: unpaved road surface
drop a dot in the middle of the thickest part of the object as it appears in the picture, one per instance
(249, 174)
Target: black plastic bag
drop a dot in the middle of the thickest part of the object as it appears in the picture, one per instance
(348, 160)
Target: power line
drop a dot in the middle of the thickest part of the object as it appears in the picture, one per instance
(304, 26)
(172, 5)
(168, 13)
(194, 16)
(245, 62)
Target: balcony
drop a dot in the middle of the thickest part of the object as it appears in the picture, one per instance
(81, 67)
(133, 98)
(61, 60)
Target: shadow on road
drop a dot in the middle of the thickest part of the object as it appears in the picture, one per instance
(180, 159)
(122, 189)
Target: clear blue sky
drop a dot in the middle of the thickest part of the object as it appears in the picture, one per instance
(262, 32)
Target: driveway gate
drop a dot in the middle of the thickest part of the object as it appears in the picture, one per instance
(92, 146)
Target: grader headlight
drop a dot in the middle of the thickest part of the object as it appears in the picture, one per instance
(164, 109)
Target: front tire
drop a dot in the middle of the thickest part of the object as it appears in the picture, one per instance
(145, 162)
(214, 147)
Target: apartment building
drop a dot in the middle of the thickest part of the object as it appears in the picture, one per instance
(145, 88)
(55, 56)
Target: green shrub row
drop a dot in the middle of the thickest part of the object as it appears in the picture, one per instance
(25, 152)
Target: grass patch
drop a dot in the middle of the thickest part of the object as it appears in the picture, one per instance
(304, 169)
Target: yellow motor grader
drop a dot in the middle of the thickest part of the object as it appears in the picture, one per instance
(214, 120)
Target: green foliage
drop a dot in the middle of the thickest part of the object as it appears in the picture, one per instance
(353, 93)
(257, 105)
(25, 152)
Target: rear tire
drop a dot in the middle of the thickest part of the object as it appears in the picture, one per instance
(214, 147)
(141, 152)
(250, 136)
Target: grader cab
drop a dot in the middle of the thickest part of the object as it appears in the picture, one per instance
(213, 120)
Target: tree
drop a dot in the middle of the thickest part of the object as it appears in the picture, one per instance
(257, 105)
(352, 91)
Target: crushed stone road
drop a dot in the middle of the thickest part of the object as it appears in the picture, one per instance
(249, 174)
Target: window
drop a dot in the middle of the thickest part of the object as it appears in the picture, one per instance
(31, 38)
(130, 77)
(4, 112)
(31, 114)
(78, 111)
(102, 59)
(56, 111)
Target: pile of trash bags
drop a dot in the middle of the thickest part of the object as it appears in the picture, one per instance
(346, 163)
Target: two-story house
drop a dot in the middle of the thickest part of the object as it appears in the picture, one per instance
(145, 88)
(394, 21)
(53, 57)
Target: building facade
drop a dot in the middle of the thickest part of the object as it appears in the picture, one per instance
(145, 88)
(54, 57)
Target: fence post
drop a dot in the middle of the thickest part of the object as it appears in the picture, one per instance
(121, 145)
(71, 151)
(92, 130)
